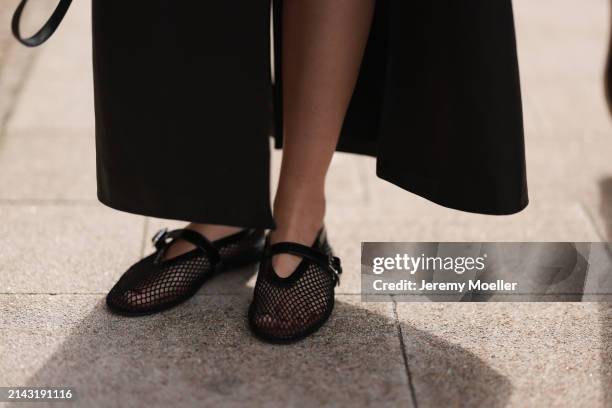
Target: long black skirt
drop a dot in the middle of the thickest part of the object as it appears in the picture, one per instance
(185, 104)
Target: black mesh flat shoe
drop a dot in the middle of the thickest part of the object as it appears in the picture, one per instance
(154, 284)
(285, 310)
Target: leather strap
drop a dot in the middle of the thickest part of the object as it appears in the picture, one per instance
(329, 262)
(47, 29)
(163, 239)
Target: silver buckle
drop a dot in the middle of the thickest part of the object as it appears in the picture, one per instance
(333, 268)
(159, 236)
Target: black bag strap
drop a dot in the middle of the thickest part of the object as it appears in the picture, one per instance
(46, 31)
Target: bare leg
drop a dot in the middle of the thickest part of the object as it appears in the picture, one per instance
(323, 45)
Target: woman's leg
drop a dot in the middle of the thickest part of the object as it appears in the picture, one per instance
(323, 45)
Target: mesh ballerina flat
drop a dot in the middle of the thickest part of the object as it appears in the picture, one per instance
(154, 284)
(289, 309)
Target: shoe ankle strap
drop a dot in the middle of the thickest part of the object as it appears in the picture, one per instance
(326, 261)
(164, 238)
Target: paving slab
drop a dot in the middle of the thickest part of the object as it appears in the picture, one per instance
(200, 354)
(47, 165)
(59, 89)
(574, 167)
(15, 60)
(499, 354)
(550, 29)
(6, 40)
(65, 249)
(605, 324)
(414, 219)
(563, 53)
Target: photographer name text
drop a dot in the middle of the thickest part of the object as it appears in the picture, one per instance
(425, 286)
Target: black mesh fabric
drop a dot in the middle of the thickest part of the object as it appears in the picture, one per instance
(288, 309)
(149, 287)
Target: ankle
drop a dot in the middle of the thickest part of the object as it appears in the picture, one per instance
(212, 231)
(298, 221)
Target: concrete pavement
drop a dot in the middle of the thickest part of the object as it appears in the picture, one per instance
(60, 251)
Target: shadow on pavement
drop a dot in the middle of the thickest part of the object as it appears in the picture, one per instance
(605, 314)
(202, 353)
(446, 375)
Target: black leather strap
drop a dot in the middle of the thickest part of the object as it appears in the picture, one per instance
(46, 31)
(163, 239)
(329, 262)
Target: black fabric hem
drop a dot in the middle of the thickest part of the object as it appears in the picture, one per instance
(426, 188)
(203, 217)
